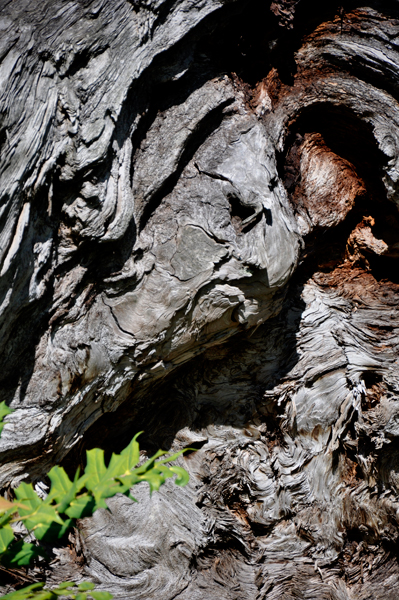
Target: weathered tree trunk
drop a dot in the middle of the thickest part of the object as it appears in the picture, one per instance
(199, 237)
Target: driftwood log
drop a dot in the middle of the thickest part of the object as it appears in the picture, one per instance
(199, 238)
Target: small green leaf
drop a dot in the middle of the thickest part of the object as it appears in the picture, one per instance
(106, 489)
(41, 595)
(66, 584)
(154, 479)
(82, 506)
(100, 481)
(182, 478)
(37, 591)
(27, 495)
(127, 481)
(101, 595)
(42, 521)
(95, 468)
(63, 490)
(6, 537)
(132, 452)
(6, 517)
(174, 456)
(53, 531)
(164, 471)
(4, 411)
(60, 483)
(86, 585)
(149, 464)
(118, 465)
(26, 592)
(21, 554)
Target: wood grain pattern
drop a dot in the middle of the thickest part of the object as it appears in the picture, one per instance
(199, 237)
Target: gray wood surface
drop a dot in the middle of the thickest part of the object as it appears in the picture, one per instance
(199, 238)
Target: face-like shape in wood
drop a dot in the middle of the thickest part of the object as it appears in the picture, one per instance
(212, 246)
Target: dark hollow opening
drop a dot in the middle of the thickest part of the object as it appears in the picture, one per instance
(352, 139)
